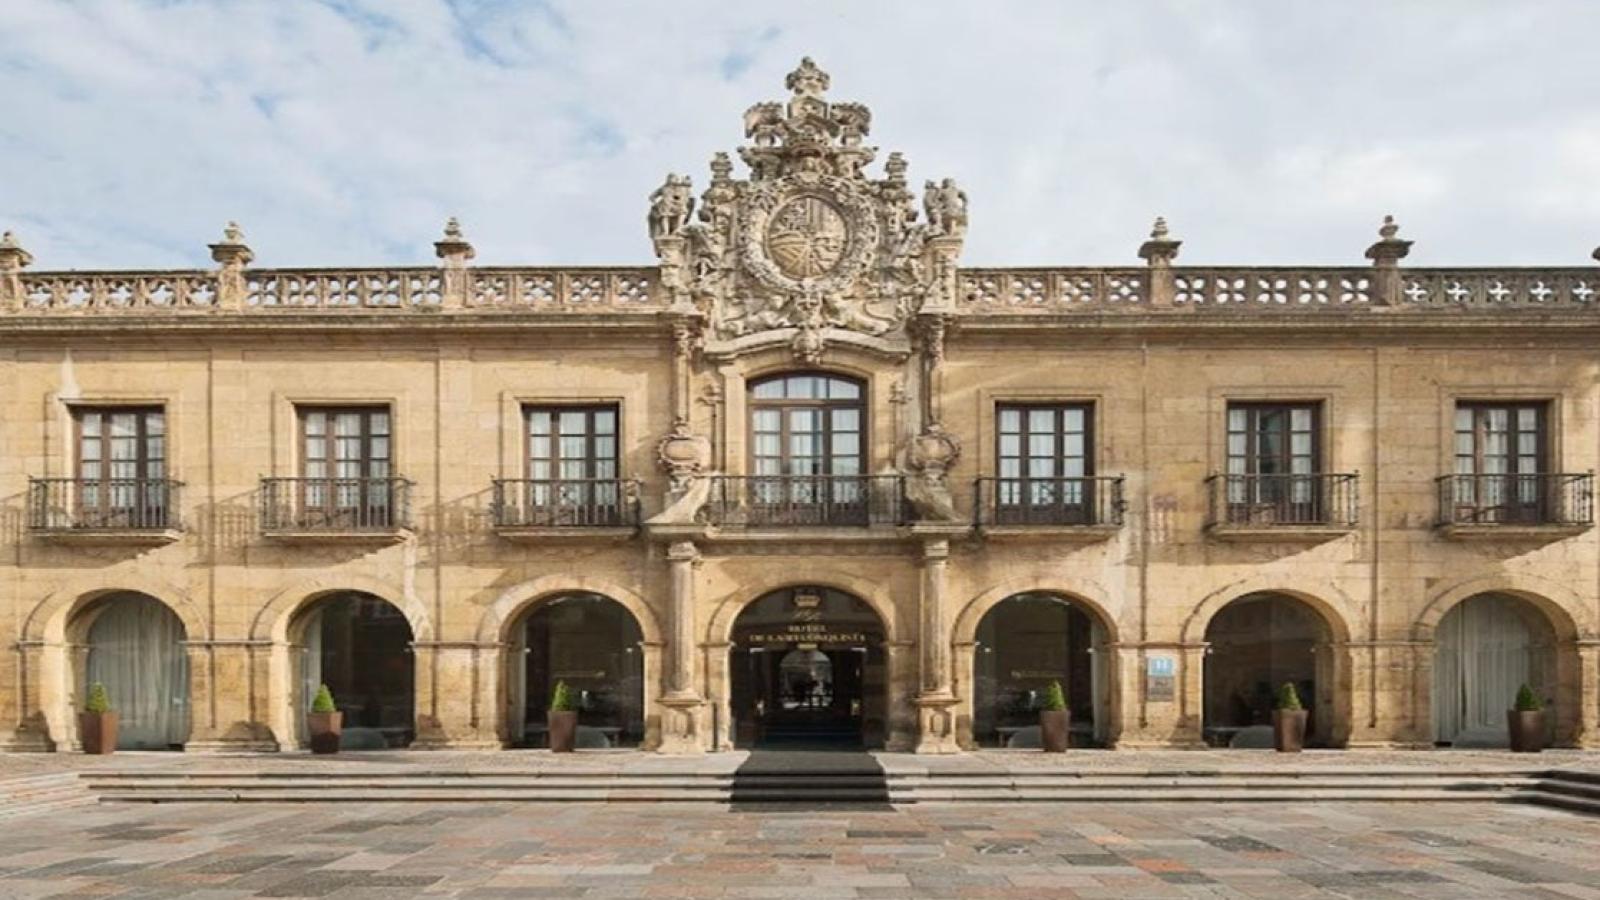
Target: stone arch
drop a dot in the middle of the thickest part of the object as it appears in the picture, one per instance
(720, 629)
(272, 621)
(1332, 612)
(516, 601)
(50, 618)
(1086, 593)
(1562, 606)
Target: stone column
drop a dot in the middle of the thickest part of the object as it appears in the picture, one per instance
(1586, 730)
(936, 731)
(232, 255)
(1158, 253)
(13, 259)
(680, 727)
(454, 252)
(1386, 255)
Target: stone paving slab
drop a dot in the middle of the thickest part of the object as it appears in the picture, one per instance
(984, 762)
(1417, 850)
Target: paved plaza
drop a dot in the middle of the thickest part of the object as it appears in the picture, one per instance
(617, 850)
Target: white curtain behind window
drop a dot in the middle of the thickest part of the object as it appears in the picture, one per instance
(136, 650)
(1483, 654)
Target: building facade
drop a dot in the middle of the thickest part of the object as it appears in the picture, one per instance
(805, 478)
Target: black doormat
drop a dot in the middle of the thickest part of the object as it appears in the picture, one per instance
(793, 777)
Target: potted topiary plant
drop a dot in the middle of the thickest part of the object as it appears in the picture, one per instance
(1053, 719)
(324, 722)
(563, 719)
(1288, 720)
(1525, 722)
(97, 724)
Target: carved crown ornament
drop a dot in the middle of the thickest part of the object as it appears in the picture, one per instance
(808, 251)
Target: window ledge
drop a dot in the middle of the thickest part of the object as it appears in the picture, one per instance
(119, 537)
(337, 536)
(1476, 531)
(565, 533)
(1066, 534)
(1296, 534)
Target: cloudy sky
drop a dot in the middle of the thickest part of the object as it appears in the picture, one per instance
(344, 132)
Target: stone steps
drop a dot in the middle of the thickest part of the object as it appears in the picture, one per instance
(30, 794)
(846, 787)
(1574, 791)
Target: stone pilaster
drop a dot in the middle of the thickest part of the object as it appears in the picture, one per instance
(681, 727)
(451, 717)
(226, 708)
(1586, 728)
(936, 702)
(231, 255)
(27, 728)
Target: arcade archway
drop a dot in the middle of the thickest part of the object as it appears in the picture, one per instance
(1485, 649)
(1023, 644)
(594, 644)
(136, 649)
(1258, 643)
(359, 645)
(807, 668)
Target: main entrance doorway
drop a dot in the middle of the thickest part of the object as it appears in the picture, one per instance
(808, 671)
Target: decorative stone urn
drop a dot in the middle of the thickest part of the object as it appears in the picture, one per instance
(683, 454)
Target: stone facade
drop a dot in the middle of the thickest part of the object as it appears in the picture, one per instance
(808, 264)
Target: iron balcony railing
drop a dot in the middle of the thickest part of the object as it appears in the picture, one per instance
(1283, 500)
(806, 500)
(131, 504)
(1089, 501)
(565, 502)
(1535, 499)
(335, 504)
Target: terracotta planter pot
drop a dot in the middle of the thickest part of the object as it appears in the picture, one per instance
(1527, 730)
(325, 729)
(1288, 730)
(563, 731)
(98, 732)
(1053, 730)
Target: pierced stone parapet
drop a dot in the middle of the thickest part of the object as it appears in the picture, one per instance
(1501, 287)
(112, 292)
(1051, 290)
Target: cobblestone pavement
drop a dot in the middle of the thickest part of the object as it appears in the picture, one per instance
(1020, 850)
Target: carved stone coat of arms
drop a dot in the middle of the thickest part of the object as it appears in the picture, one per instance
(808, 250)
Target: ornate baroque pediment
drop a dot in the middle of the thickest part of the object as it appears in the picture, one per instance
(808, 249)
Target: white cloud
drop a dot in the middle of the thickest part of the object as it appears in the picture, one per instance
(343, 132)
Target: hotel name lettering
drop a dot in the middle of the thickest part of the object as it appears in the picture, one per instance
(807, 633)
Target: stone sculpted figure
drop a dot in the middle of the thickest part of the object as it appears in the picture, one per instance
(952, 208)
(933, 207)
(670, 206)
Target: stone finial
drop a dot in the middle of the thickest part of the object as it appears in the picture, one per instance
(12, 257)
(454, 246)
(1389, 249)
(232, 250)
(1161, 249)
(807, 80)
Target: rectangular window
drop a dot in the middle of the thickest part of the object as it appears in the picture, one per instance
(1501, 456)
(1274, 464)
(122, 466)
(1046, 463)
(346, 465)
(572, 468)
